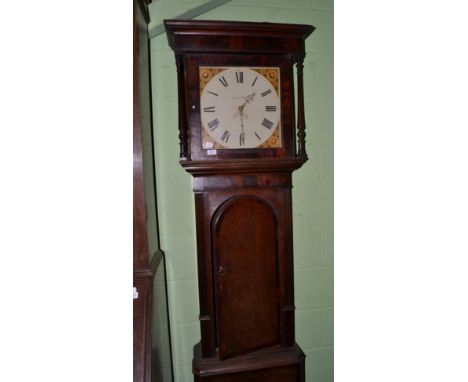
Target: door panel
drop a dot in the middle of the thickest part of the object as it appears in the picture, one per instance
(246, 275)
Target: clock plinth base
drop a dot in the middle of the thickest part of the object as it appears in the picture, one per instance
(275, 364)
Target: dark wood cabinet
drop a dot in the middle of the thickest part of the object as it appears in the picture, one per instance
(142, 274)
(240, 141)
(151, 351)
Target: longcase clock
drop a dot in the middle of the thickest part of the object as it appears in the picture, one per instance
(240, 141)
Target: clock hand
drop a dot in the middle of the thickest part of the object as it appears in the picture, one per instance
(241, 113)
(250, 97)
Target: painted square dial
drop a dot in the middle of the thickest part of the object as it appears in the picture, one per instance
(240, 107)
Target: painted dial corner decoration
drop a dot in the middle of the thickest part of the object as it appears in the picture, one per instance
(240, 107)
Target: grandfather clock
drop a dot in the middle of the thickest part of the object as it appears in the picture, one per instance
(238, 139)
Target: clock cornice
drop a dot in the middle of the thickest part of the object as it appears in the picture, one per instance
(237, 36)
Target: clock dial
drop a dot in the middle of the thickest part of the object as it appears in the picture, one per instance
(240, 107)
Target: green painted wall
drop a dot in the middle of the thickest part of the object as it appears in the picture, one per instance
(312, 193)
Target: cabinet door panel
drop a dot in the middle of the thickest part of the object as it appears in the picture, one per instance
(246, 275)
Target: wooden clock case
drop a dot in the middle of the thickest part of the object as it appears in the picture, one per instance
(243, 207)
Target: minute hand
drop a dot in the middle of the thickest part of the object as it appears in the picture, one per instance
(241, 113)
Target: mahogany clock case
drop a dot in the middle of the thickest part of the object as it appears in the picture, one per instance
(243, 207)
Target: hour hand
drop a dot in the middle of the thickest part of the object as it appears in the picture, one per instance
(250, 98)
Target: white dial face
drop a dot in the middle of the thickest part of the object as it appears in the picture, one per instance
(240, 108)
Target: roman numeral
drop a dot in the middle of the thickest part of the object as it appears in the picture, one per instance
(266, 92)
(270, 108)
(255, 80)
(267, 123)
(240, 77)
(213, 124)
(242, 139)
(209, 109)
(258, 137)
(225, 136)
(223, 81)
(213, 93)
